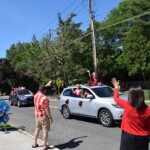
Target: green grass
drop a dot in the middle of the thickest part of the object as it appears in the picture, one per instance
(53, 96)
(146, 94)
(148, 103)
(7, 126)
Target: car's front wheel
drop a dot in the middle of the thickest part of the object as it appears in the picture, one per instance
(105, 118)
(18, 103)
(66, 112)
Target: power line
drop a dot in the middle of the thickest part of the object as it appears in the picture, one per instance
(97, 16)
(107, 27)
(105, 13)
(68, 6)
(70, 13)
(52, 57)
(74, 9)
(102, 28)
(73, 12)
(56, 18)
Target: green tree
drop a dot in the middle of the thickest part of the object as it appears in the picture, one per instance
(128, 39)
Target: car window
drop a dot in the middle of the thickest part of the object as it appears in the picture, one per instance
(23, 92)
(67, 92)
(72, 94)
(19, 92)
(103, 91)
(85, 93)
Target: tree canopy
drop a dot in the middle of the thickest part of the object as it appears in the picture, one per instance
(123, 48)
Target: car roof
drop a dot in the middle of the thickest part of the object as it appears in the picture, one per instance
(22, 90)
(86, 86)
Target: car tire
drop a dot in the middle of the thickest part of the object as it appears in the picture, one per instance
(10, 102)
(18, 103)
(105, 118)
(66, 112)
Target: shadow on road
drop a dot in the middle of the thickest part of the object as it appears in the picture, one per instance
(85, 119)
(95, 121)
(71, 144)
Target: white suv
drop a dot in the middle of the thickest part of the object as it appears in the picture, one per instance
(99, 104)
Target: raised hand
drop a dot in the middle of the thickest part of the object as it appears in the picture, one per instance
(115, 82)
(49, 83)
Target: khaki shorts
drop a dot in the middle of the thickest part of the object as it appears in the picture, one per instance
(43, 124)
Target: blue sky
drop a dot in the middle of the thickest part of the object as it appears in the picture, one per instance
(21, 19)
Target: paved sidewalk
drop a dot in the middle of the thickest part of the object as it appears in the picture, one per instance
(18, 140)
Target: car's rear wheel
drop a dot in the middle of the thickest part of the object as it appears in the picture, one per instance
(66, 112)
(18, 103)
(105, 118)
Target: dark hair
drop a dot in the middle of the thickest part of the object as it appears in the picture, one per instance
(42, 88)
(136, 97)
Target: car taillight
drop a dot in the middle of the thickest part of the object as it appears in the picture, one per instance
(59, 98)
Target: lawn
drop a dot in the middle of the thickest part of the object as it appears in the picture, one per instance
(146, 94)
(7, 126)
(148, 103)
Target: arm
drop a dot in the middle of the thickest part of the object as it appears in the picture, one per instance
(122, 103)
(47, 110)
(89, 73)
(73, 91)
(48, 84)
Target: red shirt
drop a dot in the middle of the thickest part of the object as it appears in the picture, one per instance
(133, 121)
(41, 102)
(77, 91)
(93, 81)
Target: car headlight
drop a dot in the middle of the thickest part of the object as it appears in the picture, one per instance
(22, 98)
(115, 105)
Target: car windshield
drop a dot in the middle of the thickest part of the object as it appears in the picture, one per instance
(23, 92)
(103, 91)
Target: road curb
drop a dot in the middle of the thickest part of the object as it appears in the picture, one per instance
(31, 136)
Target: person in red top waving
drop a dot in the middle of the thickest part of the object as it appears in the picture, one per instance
(42, 114)
(93, 79)
(136, 119)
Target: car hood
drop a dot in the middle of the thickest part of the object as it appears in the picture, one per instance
(111, 99)
(28, 95)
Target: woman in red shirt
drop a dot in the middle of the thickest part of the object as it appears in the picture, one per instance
(136, 119)
(93, 79)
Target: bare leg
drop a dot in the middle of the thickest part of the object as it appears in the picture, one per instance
(36, 134)
(45, 138)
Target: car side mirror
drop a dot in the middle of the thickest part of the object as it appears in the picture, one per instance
(90, 96)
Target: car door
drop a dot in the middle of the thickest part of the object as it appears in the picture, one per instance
(86, 106)
(74, 103)
(70, 100)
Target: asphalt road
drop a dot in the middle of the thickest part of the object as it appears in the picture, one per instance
(78, 133)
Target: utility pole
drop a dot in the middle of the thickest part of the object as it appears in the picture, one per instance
(93, 37)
